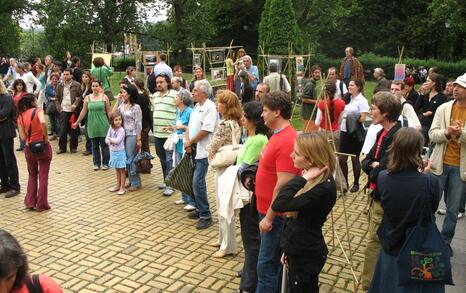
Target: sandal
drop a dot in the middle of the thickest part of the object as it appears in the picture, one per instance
(220, 254)
(214, 244)
(121, 192)
(113, 189)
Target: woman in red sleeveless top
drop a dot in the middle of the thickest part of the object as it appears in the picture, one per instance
(33, 128)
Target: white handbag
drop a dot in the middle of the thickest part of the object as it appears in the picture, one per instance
(171, 141)
(227, 154)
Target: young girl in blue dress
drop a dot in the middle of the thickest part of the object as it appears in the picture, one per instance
(116, 141)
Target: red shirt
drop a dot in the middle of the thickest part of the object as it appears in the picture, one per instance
(338, 107)
(275, 157)
(48, 286)
(24, 120)
(18, 97)
(384, 133)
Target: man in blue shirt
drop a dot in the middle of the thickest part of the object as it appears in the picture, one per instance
(251, 70)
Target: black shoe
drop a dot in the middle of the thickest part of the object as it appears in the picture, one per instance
(354, 189)
(20, 149)
(11, 193)
(239, 274)
(203, 223)
(4, 189)
(60, 152)
(194, 215)
(86, 153)
(73, 151)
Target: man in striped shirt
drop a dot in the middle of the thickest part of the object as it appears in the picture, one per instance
(164, 112)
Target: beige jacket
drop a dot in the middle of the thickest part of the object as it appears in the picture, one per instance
(437, 135)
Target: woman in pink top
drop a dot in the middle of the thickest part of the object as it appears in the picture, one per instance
(14, 269)
(32, 127)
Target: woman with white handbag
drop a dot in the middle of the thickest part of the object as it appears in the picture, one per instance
(222, 153)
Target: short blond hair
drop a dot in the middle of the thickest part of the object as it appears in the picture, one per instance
(3, 89)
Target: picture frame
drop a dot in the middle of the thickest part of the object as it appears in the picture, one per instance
(149, 57)
(217, 56)
(276, 60)
(196, 61)
(217, 73)
(299, 64)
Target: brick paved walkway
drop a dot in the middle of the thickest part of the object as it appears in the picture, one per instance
(96, 241)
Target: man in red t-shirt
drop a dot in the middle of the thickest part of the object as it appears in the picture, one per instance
(275, 169)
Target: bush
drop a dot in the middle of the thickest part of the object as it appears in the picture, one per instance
(371, 61)
(120, 63)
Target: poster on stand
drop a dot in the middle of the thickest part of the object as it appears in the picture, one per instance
(400, 72)
(218, 73)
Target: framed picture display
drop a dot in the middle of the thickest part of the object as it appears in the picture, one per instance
(400, 72)
(217, 56)
(149, 57)
(196, 61)
(218, 73)
(299, 64)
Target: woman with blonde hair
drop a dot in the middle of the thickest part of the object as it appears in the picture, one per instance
(229, 107)
(307, 200)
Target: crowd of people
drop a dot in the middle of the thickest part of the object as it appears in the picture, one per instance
(281, 183)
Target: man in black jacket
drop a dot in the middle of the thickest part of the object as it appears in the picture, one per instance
(8, 166)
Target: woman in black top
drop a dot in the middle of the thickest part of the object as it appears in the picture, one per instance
(307, 199)
(247, 91)
(143, 100)
(430, 98)
(404, 191)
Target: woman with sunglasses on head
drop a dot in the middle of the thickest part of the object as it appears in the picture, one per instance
(97, 109)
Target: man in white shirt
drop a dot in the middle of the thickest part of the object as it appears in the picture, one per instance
(29, 79)
(162, 67)
(202, 124)
(341, 86)
(276, 81)
(11, 73)
(397, 88)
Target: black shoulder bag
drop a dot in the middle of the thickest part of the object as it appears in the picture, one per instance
(36, 147)
(33, 284)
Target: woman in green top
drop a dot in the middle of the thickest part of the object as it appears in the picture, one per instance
(97, 108)
(101, 72)
(248, 155)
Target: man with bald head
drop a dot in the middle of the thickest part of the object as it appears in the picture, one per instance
(351, 67)
(261, 90)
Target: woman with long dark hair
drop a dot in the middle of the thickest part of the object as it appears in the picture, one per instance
(249, 153)
(132, 123)
(247, 91)
(51, 107)
(86, 89)
(406, 195)
(14, 269)
(32, 127)
(19, 90)
(143, 100)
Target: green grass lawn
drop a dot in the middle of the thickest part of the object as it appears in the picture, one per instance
(296, 119)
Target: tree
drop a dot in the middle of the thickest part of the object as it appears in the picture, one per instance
(280, 28)
(10, 11)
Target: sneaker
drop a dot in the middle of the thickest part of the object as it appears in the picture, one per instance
(179, 202)
(203, 223)
(189, 208)
(441, 211)
(354, 189)
(61, 152)
(169, 191)
(104, 167)
(460, 215)
(96, 168)
(162, 186)
(87, 153)
(194, 215)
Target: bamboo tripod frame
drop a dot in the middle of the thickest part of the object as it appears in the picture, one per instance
(348, 257)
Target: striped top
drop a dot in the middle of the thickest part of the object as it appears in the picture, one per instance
(164, 112)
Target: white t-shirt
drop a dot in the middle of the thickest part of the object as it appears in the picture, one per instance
(30, 80)
(66, 102)
(408, 111)
(357, 105)
(338, 93)
(371, 135)
(203, 117)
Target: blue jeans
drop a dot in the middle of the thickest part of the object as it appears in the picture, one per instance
(98, 145)
(165, 156)
(200, 189)
(185, 197)
(130, 149)
(451, 182)
(268, 262)
(425, 133)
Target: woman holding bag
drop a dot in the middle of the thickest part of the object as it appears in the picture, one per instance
(408, 198)
(32, 128)
(229, 107)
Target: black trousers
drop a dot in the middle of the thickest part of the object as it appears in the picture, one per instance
(8, 166)
(303, 273)
(65, 130)
(251, 244)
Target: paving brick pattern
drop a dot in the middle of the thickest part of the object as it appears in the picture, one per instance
(96, 241)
